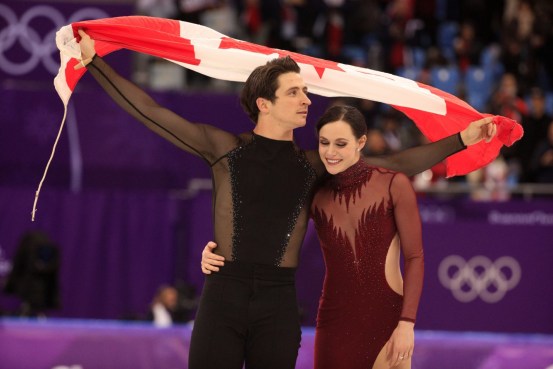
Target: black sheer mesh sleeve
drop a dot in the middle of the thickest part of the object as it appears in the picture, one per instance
(408, 224)
(205, 141)
(418, 159)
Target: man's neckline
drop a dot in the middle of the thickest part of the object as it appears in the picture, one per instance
(272, 139)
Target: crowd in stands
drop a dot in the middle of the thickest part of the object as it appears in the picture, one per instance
(496, 54)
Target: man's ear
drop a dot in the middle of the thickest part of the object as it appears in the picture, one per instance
(262, 104)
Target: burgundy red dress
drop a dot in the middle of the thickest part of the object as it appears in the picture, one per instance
(357, 214)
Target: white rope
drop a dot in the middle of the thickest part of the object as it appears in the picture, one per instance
(33, 213)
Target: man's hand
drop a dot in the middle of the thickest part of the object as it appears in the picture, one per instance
(483, 129)
(87, 49)
(211, 261)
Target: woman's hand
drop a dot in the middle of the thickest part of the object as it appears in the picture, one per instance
(211, 261)
(401, 344)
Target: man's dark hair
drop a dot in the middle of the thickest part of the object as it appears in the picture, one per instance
(263, 82)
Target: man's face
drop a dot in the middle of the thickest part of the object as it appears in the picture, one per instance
(289, 109)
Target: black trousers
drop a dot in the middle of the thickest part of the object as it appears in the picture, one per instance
(248, 314)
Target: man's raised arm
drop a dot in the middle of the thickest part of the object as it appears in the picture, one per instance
(203, 140)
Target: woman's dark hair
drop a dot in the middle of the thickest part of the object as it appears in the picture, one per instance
(346, 113)
(263, 82)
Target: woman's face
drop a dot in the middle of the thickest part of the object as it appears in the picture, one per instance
(338, 147)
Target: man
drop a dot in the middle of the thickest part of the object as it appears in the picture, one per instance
(262, 184)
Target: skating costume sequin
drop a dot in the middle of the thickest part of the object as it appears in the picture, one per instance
(258, 169)
(357, 214)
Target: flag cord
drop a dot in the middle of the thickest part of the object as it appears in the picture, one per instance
(33, 213)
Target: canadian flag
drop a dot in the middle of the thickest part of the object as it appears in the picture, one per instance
(436, 113)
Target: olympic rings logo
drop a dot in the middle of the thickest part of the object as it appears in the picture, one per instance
(39, 49)
(479, 277)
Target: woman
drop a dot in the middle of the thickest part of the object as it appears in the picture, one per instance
(364, 216)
